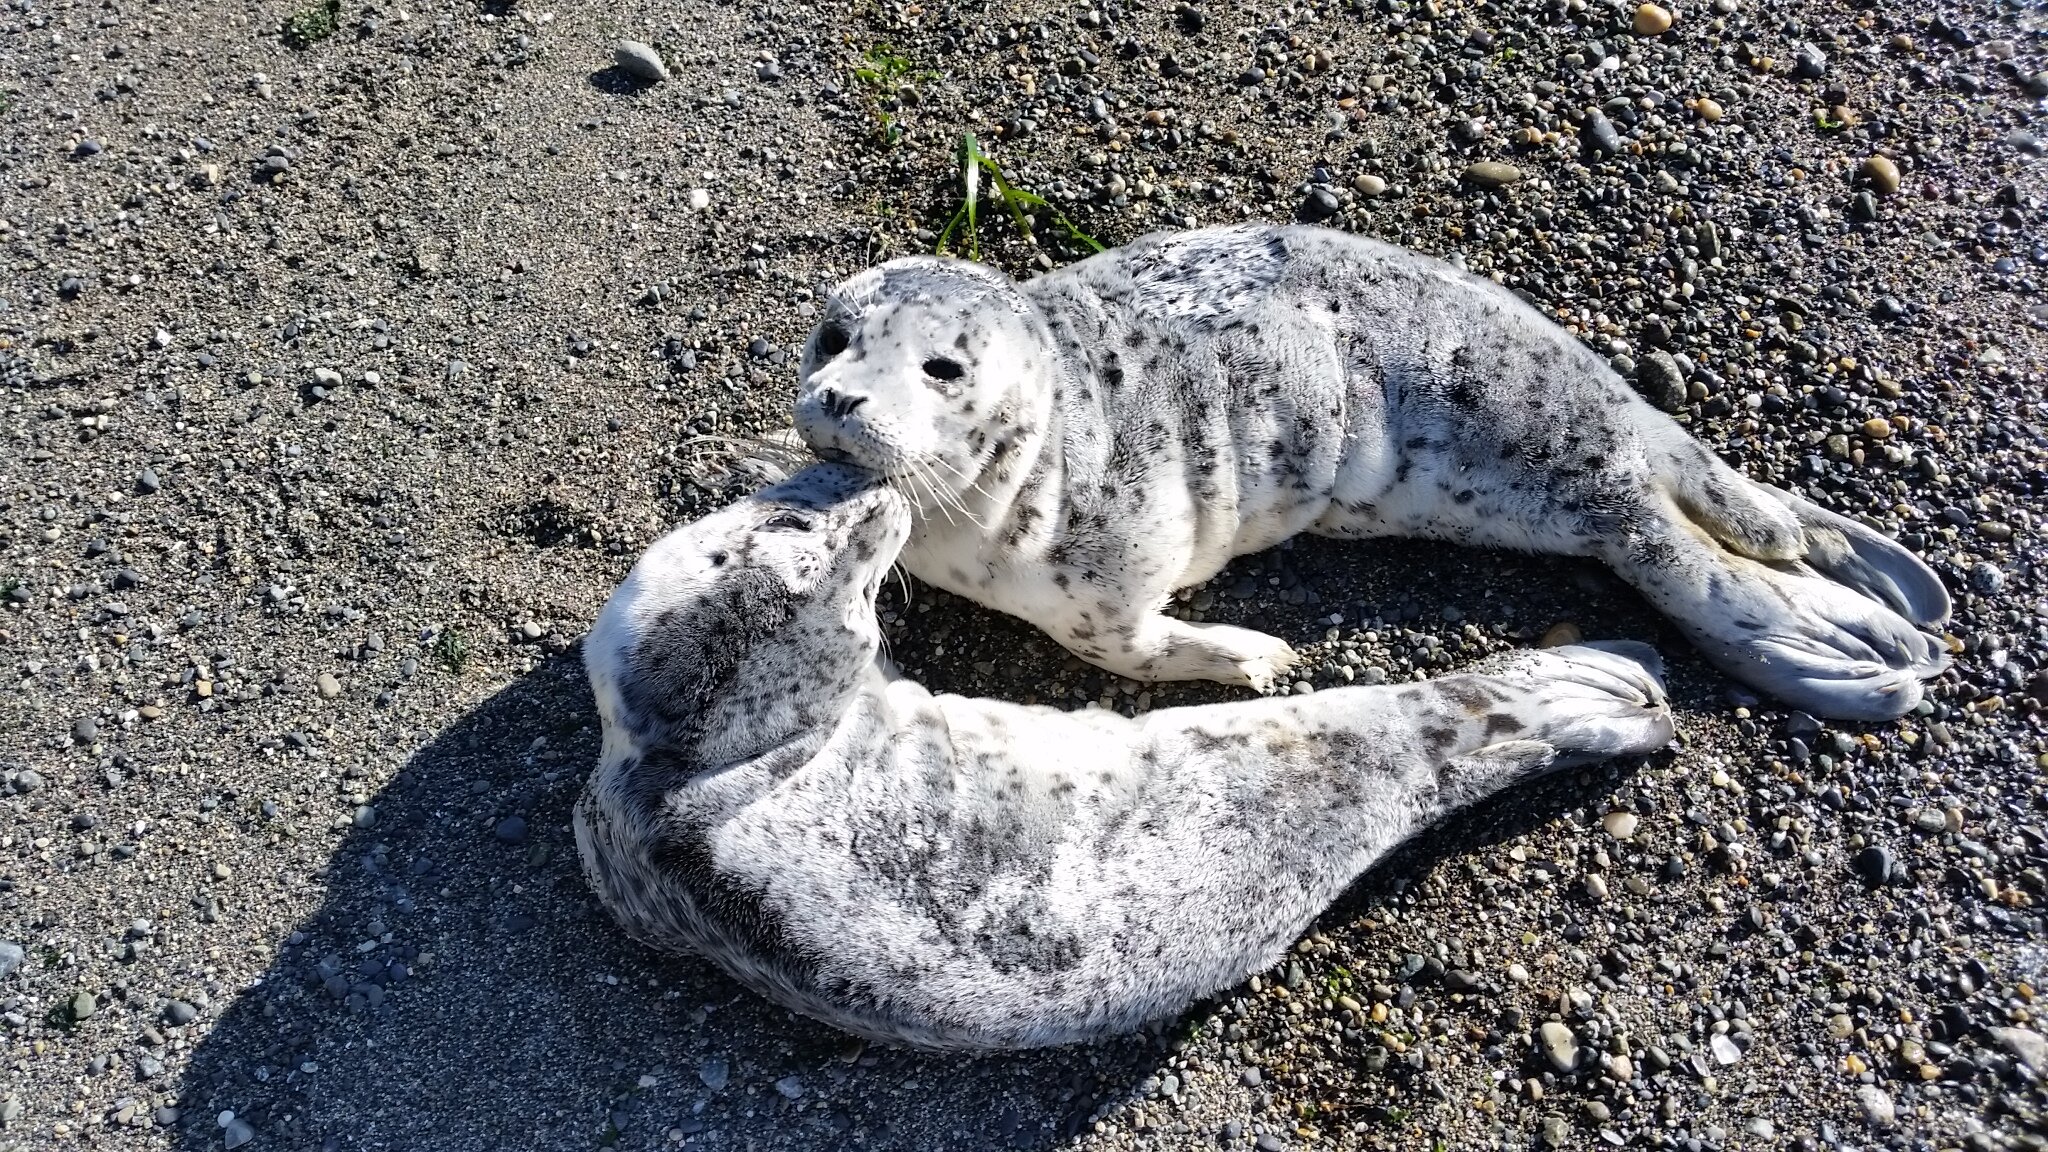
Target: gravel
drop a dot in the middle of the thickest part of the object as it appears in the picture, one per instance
(342, 385)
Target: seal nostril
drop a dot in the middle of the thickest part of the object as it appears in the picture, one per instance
(850, 403)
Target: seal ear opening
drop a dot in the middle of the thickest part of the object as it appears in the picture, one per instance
(686, 655)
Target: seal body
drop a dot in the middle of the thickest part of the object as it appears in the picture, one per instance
(1082, 445)
(947, 872)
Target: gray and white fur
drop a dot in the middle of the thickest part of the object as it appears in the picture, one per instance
(958, 873)
(1082, 445)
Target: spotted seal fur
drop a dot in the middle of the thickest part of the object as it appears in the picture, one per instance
(945, 872)
(1082, 445)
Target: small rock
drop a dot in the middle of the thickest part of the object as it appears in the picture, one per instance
(1559, 1045)
(1874, 864)
(11, 956)
(1809, 63)
(1620, 825)
(511, 830)
(640, 61)
(791, 1087)
(1709, 110)
(1877, 428)
(1660, 381)
(178, 1013)
(1560, 634)
(1369, 186)
(1251, 1078)
(1881, 174)
(1492, 174)
(2029, 1046)
(86, 730)
(84, 1005)
(329, 686)
(236, 1133)
(1877, 1106)
(1724, 1049)
(1652, 20)
(147, 482)
(714, 1074)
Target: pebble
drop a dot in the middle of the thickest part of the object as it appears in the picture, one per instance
(511, 830)
(1724, 1049)
(86, 730)
(1881, 174)
(235, 1133)
(1369, 186)
(640, 61)
(1709, 109)
(1877, 1106)
(1874, 864)
(1492, 174)
(714, 1074)
(791, 1087)
(1601, 135)
(1620, 825)
(2029, 1046)
(147, 482)
(177, 1013)
(11, 956)
(329, 686)
(1560, 634)
(1559, 1045)
(84, 1005)
(1660, 381)
(1652, 21)
(1809, 62)
(700, 199)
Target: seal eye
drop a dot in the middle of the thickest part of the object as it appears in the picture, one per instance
(831, 341)
(786, 522)
(718, 559)
(940, 368)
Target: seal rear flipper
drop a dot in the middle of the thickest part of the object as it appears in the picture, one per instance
(1875, 565)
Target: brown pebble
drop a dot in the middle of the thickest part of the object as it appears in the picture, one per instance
(1493, 174)
(1881, 174)
(1877, 428)
(1652, 20)
(1562, 633)
(1709, 110)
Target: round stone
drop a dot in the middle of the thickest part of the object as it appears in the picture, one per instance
(1881, 174)
(1560, 1047)
(1708, 109)
(1620, 825)
(1492, 174)
(1652, 20)
(1369, 185)
(640, 61)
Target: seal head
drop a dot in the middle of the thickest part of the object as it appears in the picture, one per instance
(971, 343)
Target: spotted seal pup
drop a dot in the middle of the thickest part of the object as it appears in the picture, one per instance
(1084, 444)
(946, 872)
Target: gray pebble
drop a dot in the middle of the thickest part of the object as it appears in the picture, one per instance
(1660, 381)
(640, 61)
(177, 1013)
(11, 956)
(1559, 1046)
(714, 1074)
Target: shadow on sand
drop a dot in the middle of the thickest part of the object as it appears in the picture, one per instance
(459, 989)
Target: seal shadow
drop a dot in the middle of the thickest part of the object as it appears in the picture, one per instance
(459, 988)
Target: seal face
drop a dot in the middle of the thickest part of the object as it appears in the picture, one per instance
(1082, 445)
(969, 874)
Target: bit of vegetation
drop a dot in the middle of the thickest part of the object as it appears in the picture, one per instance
(886, 73)
(1017, 201)
(309, 26)
(452, 650)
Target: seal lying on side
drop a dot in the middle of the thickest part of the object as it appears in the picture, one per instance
(958, 873)
(1086, 443)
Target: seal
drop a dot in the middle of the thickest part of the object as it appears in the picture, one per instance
(955, 873)
(1082, 445)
